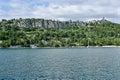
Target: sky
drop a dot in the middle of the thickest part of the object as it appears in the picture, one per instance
(83, 10)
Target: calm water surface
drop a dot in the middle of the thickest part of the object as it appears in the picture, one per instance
(60, 64)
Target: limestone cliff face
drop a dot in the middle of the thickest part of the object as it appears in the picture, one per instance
(42, 23)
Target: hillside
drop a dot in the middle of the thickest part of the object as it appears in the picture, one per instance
(42, 23)
(49, 33)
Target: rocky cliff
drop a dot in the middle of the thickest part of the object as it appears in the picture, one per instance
(42, 23)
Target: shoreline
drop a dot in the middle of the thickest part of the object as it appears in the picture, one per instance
(60, 47)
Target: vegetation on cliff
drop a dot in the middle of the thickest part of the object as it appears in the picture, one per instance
(94, 34)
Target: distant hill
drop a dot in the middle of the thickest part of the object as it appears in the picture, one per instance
(17, 33)
(42, 23)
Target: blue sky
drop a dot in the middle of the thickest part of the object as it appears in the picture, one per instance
(61, 9)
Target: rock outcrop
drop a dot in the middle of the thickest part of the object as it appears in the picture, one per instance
(42, 23)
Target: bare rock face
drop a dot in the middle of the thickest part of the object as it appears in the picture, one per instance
(42, 23)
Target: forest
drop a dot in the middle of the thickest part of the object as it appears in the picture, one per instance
(107, 34)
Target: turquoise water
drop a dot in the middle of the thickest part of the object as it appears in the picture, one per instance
(60, 64)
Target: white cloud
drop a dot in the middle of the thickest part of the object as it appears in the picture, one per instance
(2, 12)
(62, 9)
(118, 11)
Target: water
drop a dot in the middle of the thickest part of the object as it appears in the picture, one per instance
(60, 64)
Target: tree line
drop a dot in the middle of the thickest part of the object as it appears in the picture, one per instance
(96, 35)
